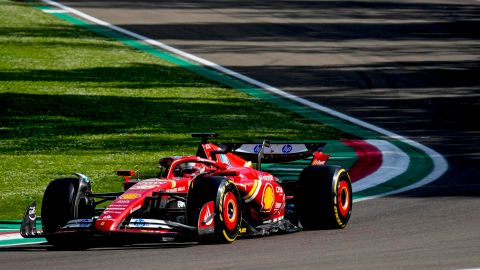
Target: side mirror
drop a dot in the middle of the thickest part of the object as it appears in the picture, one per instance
(126, 174)
(222, 166)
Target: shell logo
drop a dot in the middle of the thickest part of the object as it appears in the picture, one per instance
(268, 198)
(130, 196)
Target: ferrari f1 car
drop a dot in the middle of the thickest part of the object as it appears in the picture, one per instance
(212, 197)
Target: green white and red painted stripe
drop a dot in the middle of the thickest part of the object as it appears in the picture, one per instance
(10, 236)
(382, 163)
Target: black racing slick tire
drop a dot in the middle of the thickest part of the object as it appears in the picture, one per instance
(217, 196)
(323, 198)
(62, 201)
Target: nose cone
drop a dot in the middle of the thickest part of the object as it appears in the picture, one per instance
(105, 225)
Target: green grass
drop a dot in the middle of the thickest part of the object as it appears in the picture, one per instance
(73, 101)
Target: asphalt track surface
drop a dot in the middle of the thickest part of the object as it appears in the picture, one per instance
(412, 67)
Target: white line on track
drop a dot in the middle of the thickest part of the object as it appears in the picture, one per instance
(10, 236)
(55, 11)
(22, 244)
(440, 165)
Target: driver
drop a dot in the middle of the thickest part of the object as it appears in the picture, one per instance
(188, 169)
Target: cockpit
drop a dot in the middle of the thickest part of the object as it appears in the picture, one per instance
(185, 167)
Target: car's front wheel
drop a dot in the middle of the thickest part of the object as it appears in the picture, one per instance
(214, 207)
(62, 202)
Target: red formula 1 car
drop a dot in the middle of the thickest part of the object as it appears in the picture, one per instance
(212, 197)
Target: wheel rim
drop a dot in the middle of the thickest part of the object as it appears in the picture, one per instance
(230, 211)
(344, 198)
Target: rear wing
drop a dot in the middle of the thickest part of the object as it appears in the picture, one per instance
(274, 152)
(268, 152)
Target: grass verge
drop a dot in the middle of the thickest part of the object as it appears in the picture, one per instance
(74, 101)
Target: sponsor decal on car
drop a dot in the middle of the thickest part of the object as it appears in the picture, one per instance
(122, 202)
(273, 149)
(141, 223)
(268, 198)
(113, 208)
(135, 209)
(79, 223)
(144, 186)
(112, 212)
(149, 184)
(287, 149)
(106, 217)
(138, 223)
(278, 205)
(180, 189)
(130, 196)
(265, 177)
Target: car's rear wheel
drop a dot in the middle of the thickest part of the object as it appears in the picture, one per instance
(323, 198)
(62, 202)
(214, 207)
